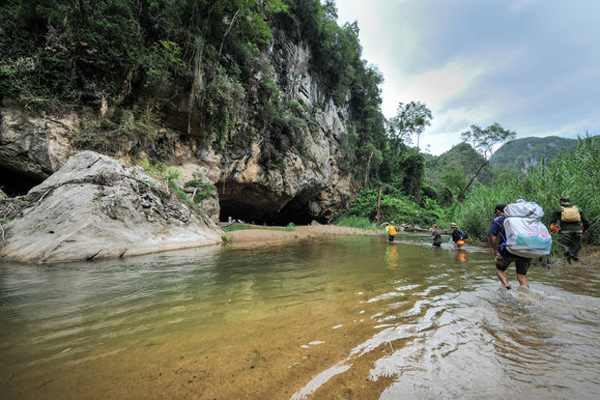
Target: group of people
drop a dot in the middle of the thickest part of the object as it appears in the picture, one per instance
(458, 237)
(569, 221)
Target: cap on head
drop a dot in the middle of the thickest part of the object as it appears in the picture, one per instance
(500, 207)
(565, 200)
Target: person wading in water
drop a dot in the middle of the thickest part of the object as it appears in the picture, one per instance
(502, 257)
(571, 224)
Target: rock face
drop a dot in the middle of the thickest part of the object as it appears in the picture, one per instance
(93, 207)
(299, 189)
(33, 146)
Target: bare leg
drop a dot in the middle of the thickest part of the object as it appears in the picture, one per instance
(503, 277)
(523, 280)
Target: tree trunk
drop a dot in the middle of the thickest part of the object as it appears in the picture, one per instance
(196, 86)
(227, 32)
(461, 197)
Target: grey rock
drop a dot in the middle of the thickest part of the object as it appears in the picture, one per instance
(93, 207)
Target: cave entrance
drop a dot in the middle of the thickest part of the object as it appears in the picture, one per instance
(293, 212)
(17, 183)
(259, 205)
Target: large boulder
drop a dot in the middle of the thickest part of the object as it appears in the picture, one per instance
(93, 207)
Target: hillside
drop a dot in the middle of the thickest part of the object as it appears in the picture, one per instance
(265, 107)
(453, 169)
(525, 152)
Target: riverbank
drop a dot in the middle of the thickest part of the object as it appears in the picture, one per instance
(258, 235)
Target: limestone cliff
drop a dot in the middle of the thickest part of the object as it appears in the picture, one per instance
(305, 185)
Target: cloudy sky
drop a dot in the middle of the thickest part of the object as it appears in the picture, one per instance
(533, 66)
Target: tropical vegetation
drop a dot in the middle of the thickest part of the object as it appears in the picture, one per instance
(575, 175)
(129, 60)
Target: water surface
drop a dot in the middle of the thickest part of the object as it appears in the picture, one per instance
(351, 317)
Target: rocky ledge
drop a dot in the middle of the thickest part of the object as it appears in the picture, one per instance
(94, 207)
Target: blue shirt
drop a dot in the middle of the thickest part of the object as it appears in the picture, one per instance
(497, 229)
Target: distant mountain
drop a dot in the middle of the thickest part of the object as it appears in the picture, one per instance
(526, 152)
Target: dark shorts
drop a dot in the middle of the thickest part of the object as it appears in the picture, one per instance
(521, 263)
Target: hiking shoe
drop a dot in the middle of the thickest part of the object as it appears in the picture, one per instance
(575, 258)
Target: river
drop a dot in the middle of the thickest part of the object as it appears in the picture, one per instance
(344, 318)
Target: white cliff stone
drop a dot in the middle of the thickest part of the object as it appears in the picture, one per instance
(93, 207)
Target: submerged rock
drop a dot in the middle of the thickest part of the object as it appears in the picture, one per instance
(93, 207)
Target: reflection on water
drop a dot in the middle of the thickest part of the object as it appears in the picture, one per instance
(351, 317)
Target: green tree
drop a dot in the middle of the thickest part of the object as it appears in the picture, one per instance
(414, 168)
(411, 120)
(454, 180)
(484, 140)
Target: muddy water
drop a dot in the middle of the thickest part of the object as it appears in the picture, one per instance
(351, 317)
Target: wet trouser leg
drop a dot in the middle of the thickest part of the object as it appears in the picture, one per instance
(571, 242)
(575, 243)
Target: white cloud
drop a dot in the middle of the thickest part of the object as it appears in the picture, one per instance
(436, 87)
(519, 5)
(529, 65)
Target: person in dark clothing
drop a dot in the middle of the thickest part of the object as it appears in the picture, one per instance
(503, 257)
(437, 235)
(571, 223)
(458, 236)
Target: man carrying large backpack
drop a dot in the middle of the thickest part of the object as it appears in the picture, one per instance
(571, 224)
(503, 257)
(517, 234)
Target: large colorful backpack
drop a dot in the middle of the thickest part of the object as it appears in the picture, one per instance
(526, 235)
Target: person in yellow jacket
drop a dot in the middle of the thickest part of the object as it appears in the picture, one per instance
(390, 229)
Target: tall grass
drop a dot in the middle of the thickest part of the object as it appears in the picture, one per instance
(357, 222)
(575, 175)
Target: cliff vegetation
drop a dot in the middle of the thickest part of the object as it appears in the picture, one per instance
(267, 107)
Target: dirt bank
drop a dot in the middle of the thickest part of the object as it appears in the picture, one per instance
(270, 236)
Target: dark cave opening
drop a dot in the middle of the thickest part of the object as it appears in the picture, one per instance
(16, 183)
(293, 212)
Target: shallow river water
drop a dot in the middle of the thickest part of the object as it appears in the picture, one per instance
(351, 317)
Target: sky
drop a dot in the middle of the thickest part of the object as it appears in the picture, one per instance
(533, 66)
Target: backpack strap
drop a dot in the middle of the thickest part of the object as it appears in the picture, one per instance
(502, 245)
